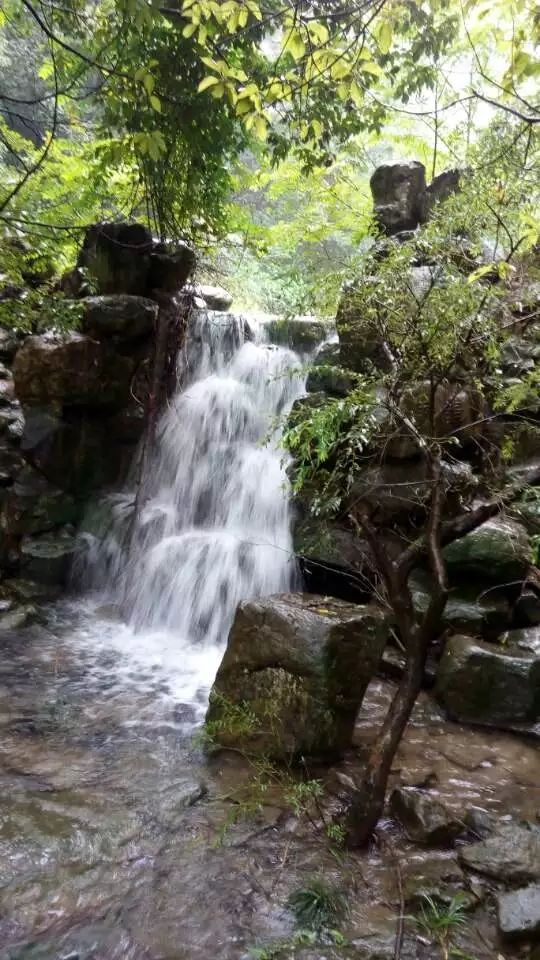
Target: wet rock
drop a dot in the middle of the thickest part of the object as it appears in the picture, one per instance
(425, 819)
(298, 333)
(294, 674)
(47, 558)
(29, 591)
(527, 606)
(479, 822)
(17, 617)
(9, 344)
(117, 257)
(519, 356)
(519, 912)
(526, 639)
(170, 268)
(123, 317)
(470, 609)
(215, 298)
(34, 505)
(402, 488)
(398, 192)
(7, 392)
(511, 854)
(327, 375)
(498, 551)
(431, 874)
(71, 370)
(481, 683)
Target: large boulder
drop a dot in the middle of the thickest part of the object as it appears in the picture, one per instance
(117, 257)
(398, 195)
(498, 551)
(63, 370)
(294, 675)
(469, 609)
(170, 267)
(511, 854)
(482, 683)
(519, 912)
(123, 317)
(425, 819)
(298, 333)
(215, 298)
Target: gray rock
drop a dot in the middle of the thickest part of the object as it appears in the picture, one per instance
(398, 194)
(519, 356)
(298, 333)
(294, 674)
(7, 392)
(527, 607)
(27, 591)
(470, 609)
(526, 639)
(425, 819)
(498, 551)
(480, 823)
(396, 489)
(215, 298)
(481, 683)
(327, 375)
(124, 317)
(47, 558)
(16, 618)
(519, 912)
(511, 854)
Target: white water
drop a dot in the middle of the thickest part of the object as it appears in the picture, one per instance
(215, 526)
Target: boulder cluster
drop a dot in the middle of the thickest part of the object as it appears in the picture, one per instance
(72, 404)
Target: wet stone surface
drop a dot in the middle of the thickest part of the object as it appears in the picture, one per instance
(121, 840)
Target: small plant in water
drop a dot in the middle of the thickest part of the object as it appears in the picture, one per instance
(318, 906)
(441, 921)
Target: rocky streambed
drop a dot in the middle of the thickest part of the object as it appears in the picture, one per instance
(122, 839)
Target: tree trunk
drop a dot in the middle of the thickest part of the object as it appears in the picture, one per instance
(368, 801)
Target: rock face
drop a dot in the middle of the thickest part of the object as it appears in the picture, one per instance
(482, 683)
(72, 409)
(511, 854)
(519, 912)
(294, 674)
(424, 818)
(124, 317)
(71, 370)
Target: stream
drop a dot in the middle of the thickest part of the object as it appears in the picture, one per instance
(120, 837)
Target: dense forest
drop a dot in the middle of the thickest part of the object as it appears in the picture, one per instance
(270, 479)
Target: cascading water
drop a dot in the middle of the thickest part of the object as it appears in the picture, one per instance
(214, 527)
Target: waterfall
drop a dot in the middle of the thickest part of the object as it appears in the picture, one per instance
(214, 527)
